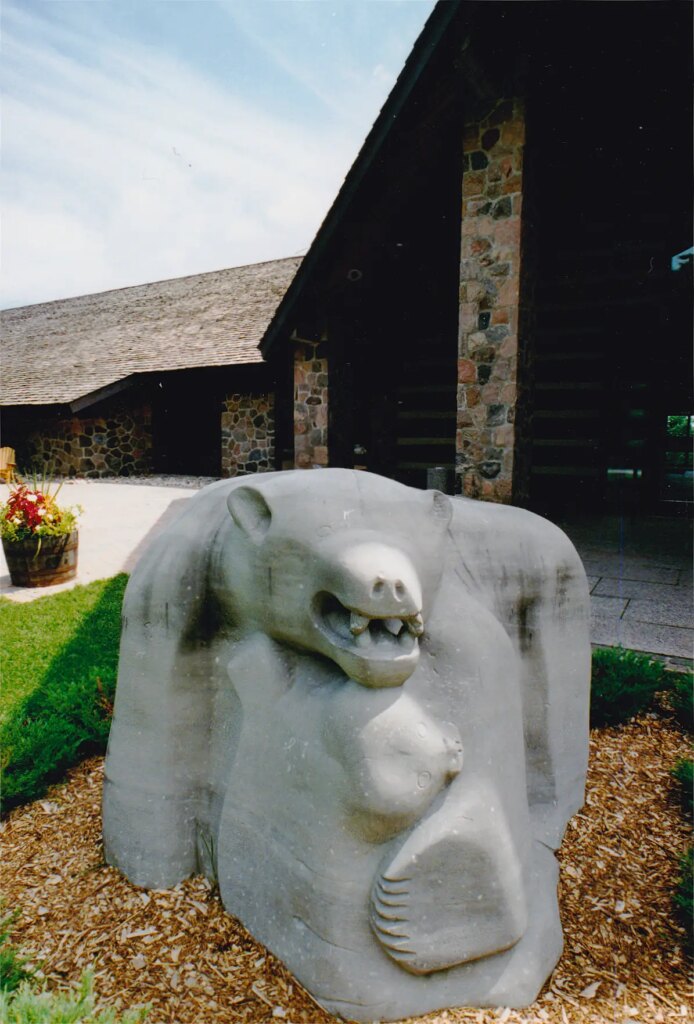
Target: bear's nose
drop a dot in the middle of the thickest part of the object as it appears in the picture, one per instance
(378, 581)
(389, 588)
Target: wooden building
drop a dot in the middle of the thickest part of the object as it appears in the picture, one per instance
(492, 291)
(500, 291)
(163, 378)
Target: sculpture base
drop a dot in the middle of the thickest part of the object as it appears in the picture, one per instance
(353, 978)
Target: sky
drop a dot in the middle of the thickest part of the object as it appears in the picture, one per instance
(150, 139)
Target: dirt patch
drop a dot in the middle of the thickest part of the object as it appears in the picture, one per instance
(180, 952)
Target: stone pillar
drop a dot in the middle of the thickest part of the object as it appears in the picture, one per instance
(489, 302)
(248, 434)
(310, 405)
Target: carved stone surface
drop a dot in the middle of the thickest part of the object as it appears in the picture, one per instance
(363, 708)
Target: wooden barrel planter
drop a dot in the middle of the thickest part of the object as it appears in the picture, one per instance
(54, 562)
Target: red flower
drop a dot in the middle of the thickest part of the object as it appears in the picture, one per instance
(31, 508)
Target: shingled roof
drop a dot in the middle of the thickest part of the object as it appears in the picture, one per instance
(58, 352)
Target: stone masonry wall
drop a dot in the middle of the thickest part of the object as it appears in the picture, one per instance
(489, 303)
(117, 443)
(248, 434)
(310, 405)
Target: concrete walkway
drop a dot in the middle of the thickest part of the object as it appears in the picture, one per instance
(640, 571)
(118, 520)
(640, 575)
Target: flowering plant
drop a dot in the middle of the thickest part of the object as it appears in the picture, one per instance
(31, 512)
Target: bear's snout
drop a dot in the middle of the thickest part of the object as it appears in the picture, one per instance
(368, 613)
(377, 580)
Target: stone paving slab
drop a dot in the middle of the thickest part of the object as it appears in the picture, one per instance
(652, 638)
(611, 586)
(667, 613)
(631, 570)
(674, 560)
(640, 577)
(611, 607)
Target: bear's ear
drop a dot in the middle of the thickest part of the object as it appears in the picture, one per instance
(441, 508)
(250, 511)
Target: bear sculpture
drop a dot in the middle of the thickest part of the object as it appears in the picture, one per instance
(363, 709)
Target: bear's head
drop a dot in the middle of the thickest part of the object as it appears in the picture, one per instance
(352, 577)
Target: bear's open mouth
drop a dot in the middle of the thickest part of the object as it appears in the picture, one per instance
(368, 634)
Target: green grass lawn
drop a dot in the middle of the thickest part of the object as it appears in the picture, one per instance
(58, 658)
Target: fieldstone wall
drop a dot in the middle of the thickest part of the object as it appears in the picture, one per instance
(490, 271)
(310, 405)
(248, 434)
(117, 443)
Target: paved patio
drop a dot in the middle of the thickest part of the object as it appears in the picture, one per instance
(118, 520)
(640, 575)
(640, 570)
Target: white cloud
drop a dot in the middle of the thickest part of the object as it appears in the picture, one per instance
(126, 165)
(138, 169)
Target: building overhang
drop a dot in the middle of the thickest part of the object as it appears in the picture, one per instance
(100, 394)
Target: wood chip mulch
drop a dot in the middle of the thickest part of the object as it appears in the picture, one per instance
(180, 952)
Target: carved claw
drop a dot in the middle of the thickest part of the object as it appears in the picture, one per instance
(426, 926)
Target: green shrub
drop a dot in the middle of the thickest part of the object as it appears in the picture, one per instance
(14, 968)
(683, 894)
(66, 712)
(684, 773)
(28, 1005)
(680, 698)
(623, 684)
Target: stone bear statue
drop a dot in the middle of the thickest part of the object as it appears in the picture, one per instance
(363, 710)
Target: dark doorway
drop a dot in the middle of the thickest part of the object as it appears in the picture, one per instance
(402, 346)
(186, 425)
(609, 158)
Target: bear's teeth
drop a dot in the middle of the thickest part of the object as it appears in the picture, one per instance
(415, 625)
(393, 626)
(358, 623)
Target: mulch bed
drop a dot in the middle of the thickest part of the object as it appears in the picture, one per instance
(194, 964)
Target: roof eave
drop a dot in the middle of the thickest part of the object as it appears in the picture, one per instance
(425, 45)
(100, 394)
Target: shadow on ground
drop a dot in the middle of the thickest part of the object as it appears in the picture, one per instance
(640, 574)
(68, 714)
